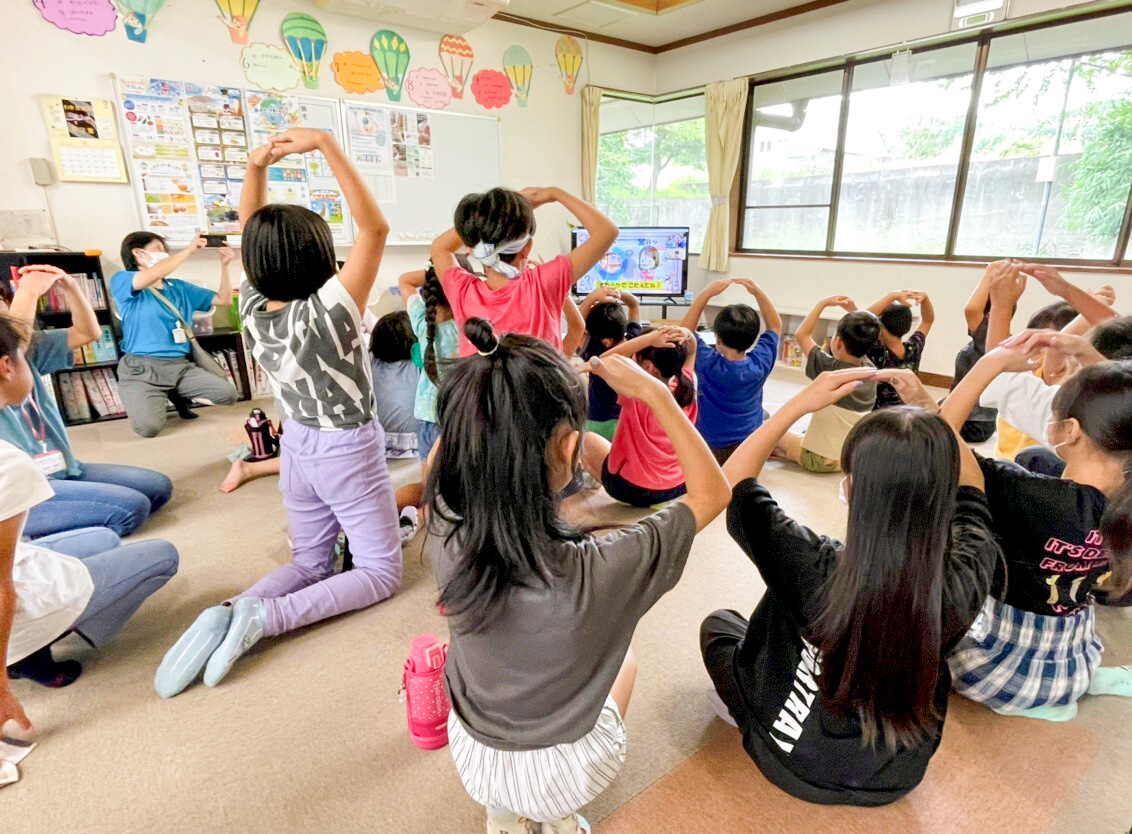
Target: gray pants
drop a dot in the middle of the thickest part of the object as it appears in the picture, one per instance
(144, 381)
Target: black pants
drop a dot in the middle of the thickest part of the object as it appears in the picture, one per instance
(976, 431)
(1040, 461)
(720, 636)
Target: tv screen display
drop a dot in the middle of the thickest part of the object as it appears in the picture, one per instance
(645, 260)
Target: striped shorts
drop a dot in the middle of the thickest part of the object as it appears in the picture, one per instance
(546, 784)
(1012, 659)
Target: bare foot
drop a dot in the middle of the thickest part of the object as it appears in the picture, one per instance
(237, 476)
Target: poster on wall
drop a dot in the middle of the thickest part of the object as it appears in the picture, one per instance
(160, 150)
(371, 147)
(302, 180)
(216, 117)
(412, 144)
(84, 141)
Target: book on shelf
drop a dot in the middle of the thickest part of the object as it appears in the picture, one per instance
(89, 356)
(55, 301)
(234, 365)
(104, 349)
(222, 361)
(112, 385)
(94, 393)
(75, 400)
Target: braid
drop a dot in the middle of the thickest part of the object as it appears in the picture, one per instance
(433, 295)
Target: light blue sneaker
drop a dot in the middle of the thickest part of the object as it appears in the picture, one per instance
(183, 662)
(249, 615)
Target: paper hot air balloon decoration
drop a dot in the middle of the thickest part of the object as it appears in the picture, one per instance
(237, 16)
(519, 68)
(456, 57)
(391, 54)
(137, 15)
(306, 41)
(569, 54)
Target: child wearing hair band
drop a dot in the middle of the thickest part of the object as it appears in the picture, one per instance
(514, 295)
(539, 668)
(1034, 650)
(303, 324)
(640, 467)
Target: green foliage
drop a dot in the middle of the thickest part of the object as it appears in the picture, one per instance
(630, 163)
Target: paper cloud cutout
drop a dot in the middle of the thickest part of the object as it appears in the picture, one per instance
(269, 67)
(356, 72)
(83, 17)
(428, 87)
(491, 89)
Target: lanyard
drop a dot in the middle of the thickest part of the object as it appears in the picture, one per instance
(39, 426)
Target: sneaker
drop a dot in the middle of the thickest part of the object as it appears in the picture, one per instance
(408, 523)
(45, 670)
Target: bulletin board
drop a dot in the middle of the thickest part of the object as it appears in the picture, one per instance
(187, 148)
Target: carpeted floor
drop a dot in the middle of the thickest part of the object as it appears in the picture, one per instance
(307, 734)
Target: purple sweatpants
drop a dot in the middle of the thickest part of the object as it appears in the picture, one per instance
(331, 481)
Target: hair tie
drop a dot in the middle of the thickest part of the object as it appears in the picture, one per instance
(494, 348)
(488, 255)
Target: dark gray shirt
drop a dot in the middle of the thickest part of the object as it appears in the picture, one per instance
(539, 673)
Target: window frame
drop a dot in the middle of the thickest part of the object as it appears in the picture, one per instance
(847, 66)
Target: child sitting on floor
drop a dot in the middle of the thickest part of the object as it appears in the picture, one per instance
(540, 668)
(732, 374)
(395, 379)
(892, 351)
(819, 449)
(611, 317)
(640, 467)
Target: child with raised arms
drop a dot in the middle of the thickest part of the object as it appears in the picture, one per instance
(611, 316)
(303, 323)
(513, 294)
(540, 615)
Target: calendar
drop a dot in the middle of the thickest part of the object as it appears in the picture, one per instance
(83, 138)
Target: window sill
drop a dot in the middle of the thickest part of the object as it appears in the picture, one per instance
(1100, 267)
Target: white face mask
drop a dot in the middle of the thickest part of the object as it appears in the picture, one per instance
(1049, 442)
(153, 258)
(843, 491)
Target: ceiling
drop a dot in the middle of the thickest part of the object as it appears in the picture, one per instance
(621, 20)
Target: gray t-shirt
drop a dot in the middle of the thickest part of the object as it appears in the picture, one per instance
(314, 353)
(861, 399)
(539, 673)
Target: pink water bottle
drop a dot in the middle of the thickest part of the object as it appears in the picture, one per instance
(426, 701)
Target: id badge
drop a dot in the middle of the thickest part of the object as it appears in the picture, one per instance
(179, 336)
(51, 462)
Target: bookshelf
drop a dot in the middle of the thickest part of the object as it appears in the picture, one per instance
(87, 393)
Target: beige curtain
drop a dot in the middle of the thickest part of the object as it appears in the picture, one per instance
(591, 124)
(725, 103)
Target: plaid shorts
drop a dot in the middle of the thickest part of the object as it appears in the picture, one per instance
(1012, 659)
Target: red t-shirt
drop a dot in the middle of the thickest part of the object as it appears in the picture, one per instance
(530, 305)
(641, 452)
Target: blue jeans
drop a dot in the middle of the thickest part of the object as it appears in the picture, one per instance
(105, 495)
(123, 575)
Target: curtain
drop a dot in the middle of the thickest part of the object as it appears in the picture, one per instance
(591, 124)
(725, 103)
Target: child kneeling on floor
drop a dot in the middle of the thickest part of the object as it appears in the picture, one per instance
(540, 615)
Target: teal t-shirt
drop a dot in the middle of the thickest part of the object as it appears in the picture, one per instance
(147, 324)
(47, 354)
(447, 347)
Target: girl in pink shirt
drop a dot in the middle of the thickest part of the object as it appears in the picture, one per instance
(640, 466)
(513, 294)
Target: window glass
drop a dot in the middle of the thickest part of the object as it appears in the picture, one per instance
(793, 139)
(1051, 164)
(902, 148)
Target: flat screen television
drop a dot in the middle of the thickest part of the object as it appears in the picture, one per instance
(645, 260)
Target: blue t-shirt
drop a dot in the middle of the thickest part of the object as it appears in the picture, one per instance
(47, 354)
(603, 399)
(147, 324)
(446, 349)
(731, 390)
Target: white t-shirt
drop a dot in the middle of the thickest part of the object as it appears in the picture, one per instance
(52, 590)
(1024, 401)
(315, 354)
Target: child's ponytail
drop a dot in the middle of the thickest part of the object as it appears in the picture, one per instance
(432, 293)
(669, 363)
(1099, 398)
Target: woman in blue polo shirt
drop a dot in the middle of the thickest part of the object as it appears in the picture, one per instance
(156, 357)
(86, 494)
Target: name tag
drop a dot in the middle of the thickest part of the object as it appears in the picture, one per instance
(179, 335)
(51, 462)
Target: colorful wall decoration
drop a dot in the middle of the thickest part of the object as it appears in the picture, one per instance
(391, 54)
(356, 72)
(491, 89)
(237, 16)
(305, 39)
(568, 53)
(269, 67)
(519, 68)
(428, 87)
(82, 17)
(456, 56)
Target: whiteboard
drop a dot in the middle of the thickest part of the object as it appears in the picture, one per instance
(465, 157)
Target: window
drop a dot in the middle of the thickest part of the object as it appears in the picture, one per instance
(1040, 165)
(792, 143)
(902, 148)
(652, 168)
